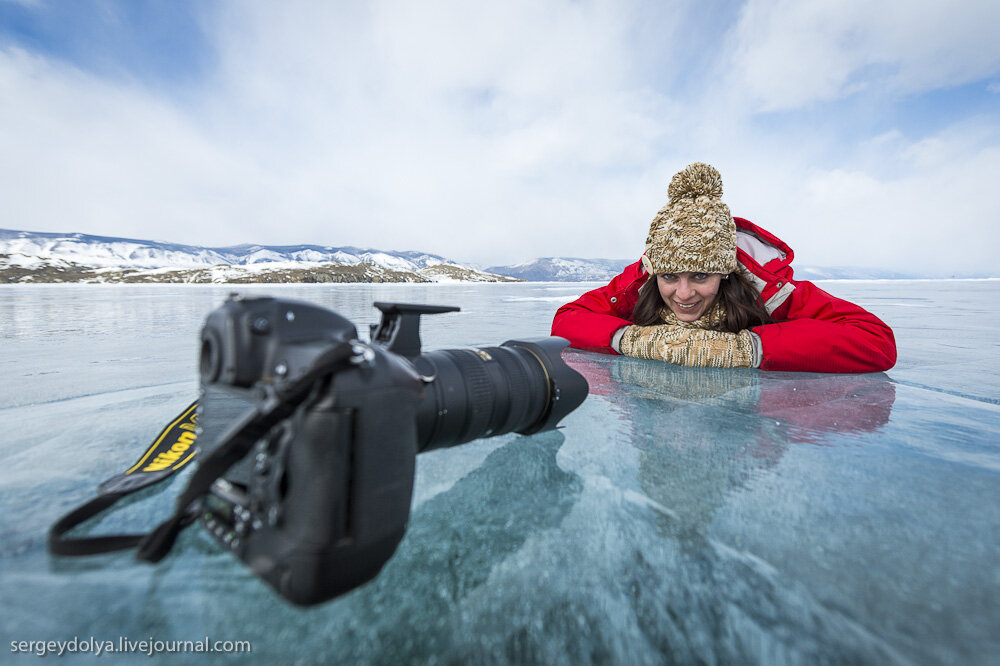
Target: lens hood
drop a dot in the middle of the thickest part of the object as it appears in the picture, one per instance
(567, 387)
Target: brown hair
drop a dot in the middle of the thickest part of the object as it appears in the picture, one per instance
(741, 301)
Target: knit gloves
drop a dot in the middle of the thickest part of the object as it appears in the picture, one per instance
(691, 346)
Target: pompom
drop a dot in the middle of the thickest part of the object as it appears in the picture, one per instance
(695, 180)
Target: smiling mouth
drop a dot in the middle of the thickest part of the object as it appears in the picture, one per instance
(686, 308)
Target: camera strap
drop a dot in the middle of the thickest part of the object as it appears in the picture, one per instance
(172, 449)
(278, 403)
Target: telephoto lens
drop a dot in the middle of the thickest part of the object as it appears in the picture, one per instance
(521, 386)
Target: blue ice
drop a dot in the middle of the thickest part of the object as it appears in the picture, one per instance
(680, 516)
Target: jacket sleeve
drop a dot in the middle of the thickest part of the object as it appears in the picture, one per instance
(823, 333)
(590, 321)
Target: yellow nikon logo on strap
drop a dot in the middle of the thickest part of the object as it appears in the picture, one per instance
(169, 457)
(174, 446)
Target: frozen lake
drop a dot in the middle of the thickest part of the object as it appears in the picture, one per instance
(682, 515)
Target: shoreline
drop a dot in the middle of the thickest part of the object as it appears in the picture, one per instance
(443, 283)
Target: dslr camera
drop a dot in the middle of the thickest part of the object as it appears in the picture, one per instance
(314, 432)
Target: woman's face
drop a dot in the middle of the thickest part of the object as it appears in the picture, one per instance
(689, 295)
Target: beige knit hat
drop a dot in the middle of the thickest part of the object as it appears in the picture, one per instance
(695, 231)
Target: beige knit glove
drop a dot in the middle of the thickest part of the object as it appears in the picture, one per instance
(689, 346)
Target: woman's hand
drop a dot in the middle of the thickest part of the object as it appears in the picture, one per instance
(690, 347)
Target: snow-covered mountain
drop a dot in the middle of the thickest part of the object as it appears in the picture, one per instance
(104, 251)
(564, 269)
(27, 256)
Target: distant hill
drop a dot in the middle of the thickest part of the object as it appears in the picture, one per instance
(27, 256)
(564, 269)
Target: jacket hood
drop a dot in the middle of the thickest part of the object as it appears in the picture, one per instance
(766, 261)
(762, 253)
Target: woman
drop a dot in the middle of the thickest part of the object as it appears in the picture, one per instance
(713, 290)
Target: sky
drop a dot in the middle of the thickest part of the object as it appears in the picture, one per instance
(862, 133)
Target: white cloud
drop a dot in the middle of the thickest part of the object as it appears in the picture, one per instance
(791, 53)
(913, 206)
(495, 134)
(82, 153)
(482, 131)
(478, 133)
(934, 220)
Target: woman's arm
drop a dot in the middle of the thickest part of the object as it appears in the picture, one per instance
(590, 321)
(823, 333)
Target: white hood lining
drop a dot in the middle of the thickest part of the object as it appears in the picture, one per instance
(761, 251)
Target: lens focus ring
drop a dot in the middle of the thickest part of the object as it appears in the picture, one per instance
(478, 393)
(480, 404)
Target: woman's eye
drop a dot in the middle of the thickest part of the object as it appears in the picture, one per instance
(668, 276)
(701, 276)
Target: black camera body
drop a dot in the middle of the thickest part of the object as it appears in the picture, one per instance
(322, 499)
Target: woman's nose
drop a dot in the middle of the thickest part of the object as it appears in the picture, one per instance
(684, 290)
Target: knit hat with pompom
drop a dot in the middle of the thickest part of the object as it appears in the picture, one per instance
(694, 232)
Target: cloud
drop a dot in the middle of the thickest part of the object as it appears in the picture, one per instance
(476, 133)
(920, 206)
(506, 132)
(499, 123)
(793, 53)
(92, 155)
(408, 129)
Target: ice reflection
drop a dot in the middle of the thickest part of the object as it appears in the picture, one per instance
(805, 408)
(704, 439)
(702, 432)
(455, 541)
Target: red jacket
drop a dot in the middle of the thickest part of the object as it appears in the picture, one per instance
(815, 332)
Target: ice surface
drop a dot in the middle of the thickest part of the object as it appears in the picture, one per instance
(682, 515)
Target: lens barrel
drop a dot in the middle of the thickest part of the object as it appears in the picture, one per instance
(521, 386)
